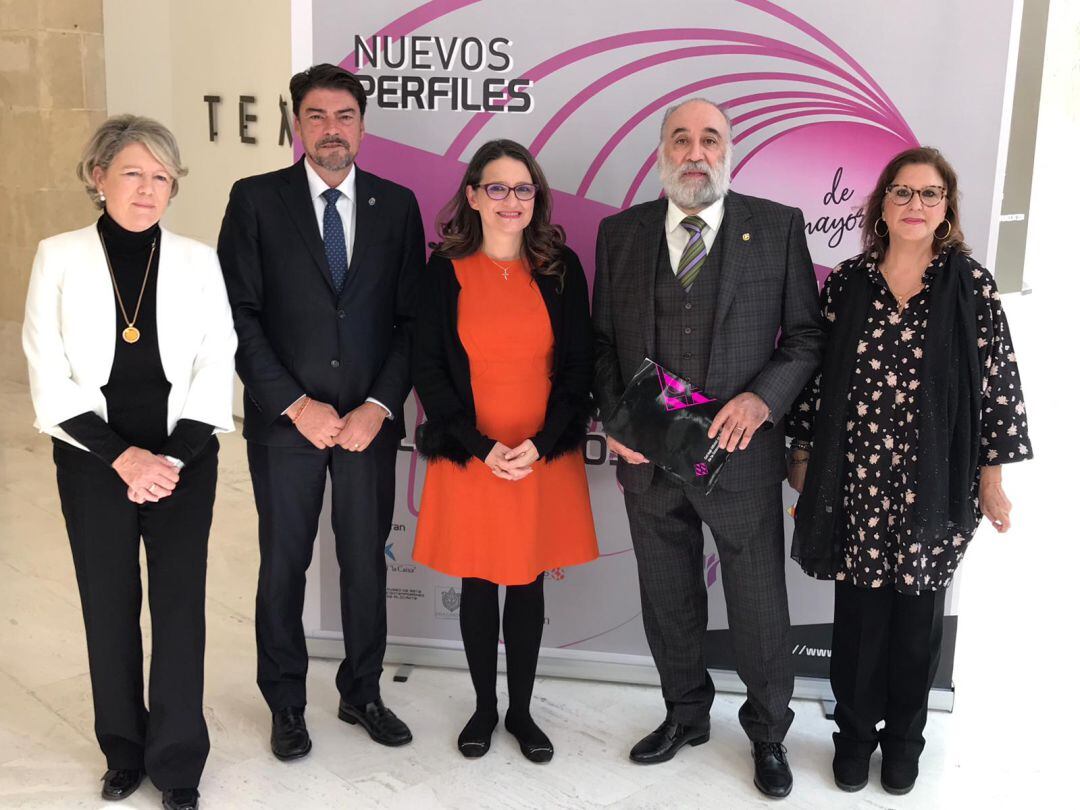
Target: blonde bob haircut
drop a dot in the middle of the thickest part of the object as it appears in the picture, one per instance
(121, 131)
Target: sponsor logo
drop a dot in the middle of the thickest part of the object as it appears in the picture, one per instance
(388, 550)
(556, 574)
(448, 602)
(406, 594)
(401, 568)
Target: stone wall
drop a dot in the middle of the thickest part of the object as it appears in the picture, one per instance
(52, 97)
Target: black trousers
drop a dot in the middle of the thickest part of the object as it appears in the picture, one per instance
(289, 483)
(666, 528)
(168, 739)
(885, 653)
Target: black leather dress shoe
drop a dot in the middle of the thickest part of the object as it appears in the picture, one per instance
(119, 783)
(898, 777)
(381, 723)
(665, 742)
(772, 776)
(851, 773)
(289, 735)
(180, 799)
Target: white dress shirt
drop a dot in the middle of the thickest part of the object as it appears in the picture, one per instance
(678, 237)
(346, 208)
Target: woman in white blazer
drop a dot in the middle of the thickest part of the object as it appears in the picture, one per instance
(129, 340)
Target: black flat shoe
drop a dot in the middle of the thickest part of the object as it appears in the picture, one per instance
(772, 776)
(851, 774)
(898, 778)
(382, 724)
(533, 742)
(665, 742)
(289, 737)
(180, 799)
(475, 739)
(120, 783)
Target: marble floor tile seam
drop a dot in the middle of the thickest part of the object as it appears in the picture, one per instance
(32, 693)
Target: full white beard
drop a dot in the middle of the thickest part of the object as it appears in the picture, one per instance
(693, 195)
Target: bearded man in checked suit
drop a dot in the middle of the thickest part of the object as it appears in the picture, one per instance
(703, 282)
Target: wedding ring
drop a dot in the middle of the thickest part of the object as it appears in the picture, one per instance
(740, 428)
(150, 488)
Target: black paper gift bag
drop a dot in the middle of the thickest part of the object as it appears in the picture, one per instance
(666, 419)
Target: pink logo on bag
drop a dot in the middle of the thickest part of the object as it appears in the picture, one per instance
(701, 470)
(678, 395)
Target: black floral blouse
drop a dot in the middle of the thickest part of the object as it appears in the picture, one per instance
(882, 433)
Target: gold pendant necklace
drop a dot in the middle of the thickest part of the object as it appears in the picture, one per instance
(131, 334)
(505, 268)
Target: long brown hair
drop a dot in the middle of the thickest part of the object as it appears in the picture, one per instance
(462, 232)
(923, 155)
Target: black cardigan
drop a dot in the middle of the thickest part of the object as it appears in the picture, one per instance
(441, 366)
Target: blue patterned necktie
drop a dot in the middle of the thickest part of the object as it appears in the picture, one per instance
(334, 239)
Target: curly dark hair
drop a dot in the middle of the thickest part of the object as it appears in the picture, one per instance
(462, 232)
(922, 155)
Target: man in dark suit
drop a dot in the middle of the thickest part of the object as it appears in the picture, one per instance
(703, 282)
(321, 260)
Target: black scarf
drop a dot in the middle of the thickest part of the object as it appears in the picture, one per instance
(949, 401)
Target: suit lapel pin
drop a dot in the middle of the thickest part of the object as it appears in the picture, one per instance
(746, 237)
(371, 201)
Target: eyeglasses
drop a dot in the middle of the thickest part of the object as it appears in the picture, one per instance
(500, 191)
(902, 195)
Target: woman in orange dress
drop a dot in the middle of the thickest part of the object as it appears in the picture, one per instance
(502, 363)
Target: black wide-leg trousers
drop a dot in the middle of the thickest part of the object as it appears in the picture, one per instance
(289, 484)
(885, 653)
(168, 738)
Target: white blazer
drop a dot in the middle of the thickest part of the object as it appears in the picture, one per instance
(69, 331)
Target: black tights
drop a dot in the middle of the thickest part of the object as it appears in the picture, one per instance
(523, 627)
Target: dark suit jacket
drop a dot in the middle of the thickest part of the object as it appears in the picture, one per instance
(296, 335)
(441, 366)
(767, 287)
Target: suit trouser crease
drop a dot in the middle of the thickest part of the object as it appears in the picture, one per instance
(169, 740)
(666, 527)
(886, 650)
(289, 485)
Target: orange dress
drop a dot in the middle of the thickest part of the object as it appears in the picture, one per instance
(473, 524)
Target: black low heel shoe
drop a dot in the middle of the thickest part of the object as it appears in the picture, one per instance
(119, 783)
(534, 743)
(898, 778)
(475, 739)
(851, 774)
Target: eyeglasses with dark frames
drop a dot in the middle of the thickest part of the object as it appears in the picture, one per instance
(902, 195)
(500, 191)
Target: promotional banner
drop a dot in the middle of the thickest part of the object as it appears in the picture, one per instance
(820, 96)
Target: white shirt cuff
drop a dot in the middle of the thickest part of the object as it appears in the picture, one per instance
(389, 413)
(293, 403)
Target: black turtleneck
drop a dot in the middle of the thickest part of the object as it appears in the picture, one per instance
(137, 392)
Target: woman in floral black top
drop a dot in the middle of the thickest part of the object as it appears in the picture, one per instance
(897, 446)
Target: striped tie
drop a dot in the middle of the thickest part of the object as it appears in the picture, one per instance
(693, 255)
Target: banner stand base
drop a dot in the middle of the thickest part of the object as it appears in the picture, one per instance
(556, 663)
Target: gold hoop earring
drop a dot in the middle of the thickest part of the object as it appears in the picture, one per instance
(880, 235)
(947, 233)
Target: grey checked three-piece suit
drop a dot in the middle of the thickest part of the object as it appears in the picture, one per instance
(750, 322)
